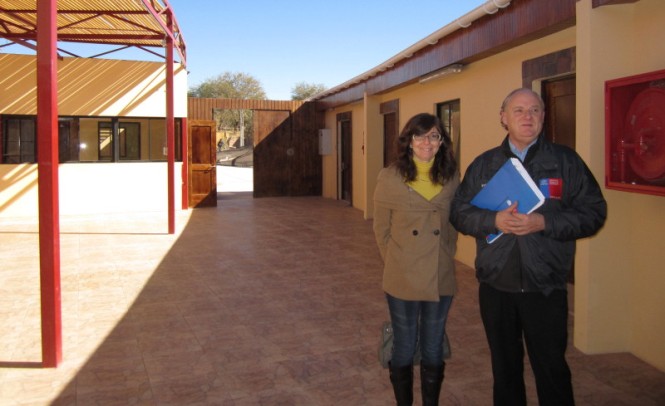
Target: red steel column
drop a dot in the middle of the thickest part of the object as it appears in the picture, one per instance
(170, 126)
(47, 169)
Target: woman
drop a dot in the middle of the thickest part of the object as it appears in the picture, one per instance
(417, 244)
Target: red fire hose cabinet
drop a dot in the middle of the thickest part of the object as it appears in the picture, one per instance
(635, 133)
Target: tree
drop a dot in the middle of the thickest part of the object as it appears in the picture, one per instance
(303, 90)
(231, 85)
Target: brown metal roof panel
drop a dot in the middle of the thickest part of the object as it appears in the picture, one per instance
(117, 22)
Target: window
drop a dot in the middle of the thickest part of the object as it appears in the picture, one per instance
(449, 113)
(19, 140)
(90, 139)
(129, 141)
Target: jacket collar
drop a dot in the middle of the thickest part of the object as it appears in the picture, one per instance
(533, 149)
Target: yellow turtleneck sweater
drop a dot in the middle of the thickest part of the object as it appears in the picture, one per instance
(423, 184)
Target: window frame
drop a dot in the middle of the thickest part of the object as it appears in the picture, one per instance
(72, 139)
(450, 114)
(23, 154)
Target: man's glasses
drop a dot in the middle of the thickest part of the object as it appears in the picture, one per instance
(435, 137)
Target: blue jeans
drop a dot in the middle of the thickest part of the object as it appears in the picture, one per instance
(418, 320)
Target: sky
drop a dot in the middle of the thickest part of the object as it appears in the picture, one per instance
(281, 43)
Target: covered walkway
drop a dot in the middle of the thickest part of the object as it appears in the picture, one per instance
(273, 301)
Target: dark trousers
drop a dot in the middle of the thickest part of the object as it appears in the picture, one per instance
(512, 319)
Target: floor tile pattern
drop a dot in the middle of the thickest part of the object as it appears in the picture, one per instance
(273, 301)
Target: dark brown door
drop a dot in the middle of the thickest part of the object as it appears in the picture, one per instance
(345, 167)
(390, 134)
(202, 164)
(559, 96)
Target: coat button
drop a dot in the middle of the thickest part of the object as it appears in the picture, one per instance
(415, 232)
(437, 232)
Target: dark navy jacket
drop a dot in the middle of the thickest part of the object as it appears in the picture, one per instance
(574, 208)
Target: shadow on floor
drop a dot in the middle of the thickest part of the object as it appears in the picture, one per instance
(234, 195)
(272, 301)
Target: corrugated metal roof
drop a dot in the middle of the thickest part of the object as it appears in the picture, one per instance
(139, 23)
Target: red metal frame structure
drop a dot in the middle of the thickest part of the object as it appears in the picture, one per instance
(142, 24)
(49, 225)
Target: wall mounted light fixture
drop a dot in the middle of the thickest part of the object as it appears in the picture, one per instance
(448, 70)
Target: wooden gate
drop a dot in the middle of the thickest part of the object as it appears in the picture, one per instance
(286, 154)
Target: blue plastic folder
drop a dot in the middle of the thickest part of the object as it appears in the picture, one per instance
(509, 184)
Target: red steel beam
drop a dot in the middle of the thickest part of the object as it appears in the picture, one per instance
(47, 169)
(168, 27)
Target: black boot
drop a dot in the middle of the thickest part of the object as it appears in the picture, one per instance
(431, 378)
(402, 380)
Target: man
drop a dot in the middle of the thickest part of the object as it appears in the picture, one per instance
(523, 274)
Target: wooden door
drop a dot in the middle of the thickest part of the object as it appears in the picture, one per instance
(559, 96)
(390, 135)
(345, 160)
(202, 164)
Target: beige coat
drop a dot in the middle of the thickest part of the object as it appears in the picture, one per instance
(415, 238)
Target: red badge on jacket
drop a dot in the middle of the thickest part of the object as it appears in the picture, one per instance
(551, 187)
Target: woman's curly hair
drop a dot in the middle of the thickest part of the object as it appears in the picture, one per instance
(444, 166)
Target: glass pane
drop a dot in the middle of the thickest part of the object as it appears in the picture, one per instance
(130, 141)
(105, 137)
(12, 145)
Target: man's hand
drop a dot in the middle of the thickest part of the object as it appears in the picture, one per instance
(510, 221)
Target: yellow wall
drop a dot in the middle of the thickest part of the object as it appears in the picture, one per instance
(358, 126)
(93, 87)
(330, 164)
(623, 308)
(373, 131)
(619, 300)
(329, 161)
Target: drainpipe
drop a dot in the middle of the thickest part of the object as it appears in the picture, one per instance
(489, 7)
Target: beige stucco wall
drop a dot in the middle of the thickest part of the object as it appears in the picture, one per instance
(479, 91)
(623, 305)
(619, 305)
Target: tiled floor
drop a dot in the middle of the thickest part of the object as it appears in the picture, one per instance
(255, 302)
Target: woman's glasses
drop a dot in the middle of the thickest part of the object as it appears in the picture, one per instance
(434, 137)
